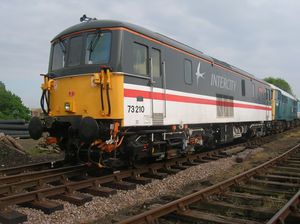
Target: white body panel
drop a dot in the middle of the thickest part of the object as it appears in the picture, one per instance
(175, 111)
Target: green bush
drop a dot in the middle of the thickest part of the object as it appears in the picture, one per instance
(11, 105)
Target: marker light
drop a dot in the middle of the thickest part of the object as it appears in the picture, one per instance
(67, 107)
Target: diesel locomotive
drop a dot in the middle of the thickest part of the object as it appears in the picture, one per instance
(116, 93)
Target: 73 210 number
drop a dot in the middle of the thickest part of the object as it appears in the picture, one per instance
(135, 109)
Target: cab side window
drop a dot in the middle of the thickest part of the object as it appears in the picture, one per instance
(156, 62)
(187, 71)
(140, 59)
(243, 88)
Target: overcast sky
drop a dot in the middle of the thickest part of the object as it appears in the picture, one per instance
(259, 36)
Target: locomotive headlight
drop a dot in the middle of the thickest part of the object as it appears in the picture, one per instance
(67, 107)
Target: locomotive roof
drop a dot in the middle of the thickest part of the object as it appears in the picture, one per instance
(283, 92)
(96, 24)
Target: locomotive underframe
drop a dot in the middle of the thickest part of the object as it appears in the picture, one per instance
(136, 144)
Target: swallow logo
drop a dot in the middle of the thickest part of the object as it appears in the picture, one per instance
(199, 74)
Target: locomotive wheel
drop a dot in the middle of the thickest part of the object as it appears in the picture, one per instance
(211, 144)
(69, 151)
(70, 157)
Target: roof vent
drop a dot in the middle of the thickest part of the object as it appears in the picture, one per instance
(84, 18)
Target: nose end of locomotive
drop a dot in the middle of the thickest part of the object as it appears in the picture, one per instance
(35, 128)
(88, 130)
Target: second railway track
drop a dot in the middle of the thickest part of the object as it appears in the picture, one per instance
(268, 193)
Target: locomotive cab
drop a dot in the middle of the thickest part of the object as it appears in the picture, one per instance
(82, 98)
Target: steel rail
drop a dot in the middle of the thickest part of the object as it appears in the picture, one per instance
(37, 174)
(20, 169)
(286, 210)
(183, 203)
(39, 181)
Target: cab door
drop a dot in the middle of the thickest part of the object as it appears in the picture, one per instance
(268, 100)
(278, 111)
(158, 85)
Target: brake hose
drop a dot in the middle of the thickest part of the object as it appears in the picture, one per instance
(108, 98)
(101, 96)
(42, 102)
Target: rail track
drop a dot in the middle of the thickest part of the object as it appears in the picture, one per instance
(268, 193)
(35, 185)
(30, 168)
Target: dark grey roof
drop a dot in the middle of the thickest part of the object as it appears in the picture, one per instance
(225, 64)
(241, 71)
(96, 24)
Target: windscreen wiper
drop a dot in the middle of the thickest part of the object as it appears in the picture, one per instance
(94, 41)
(62, 46)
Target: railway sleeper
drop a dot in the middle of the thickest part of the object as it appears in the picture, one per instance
(288, 168)
(290, 161)
(253, 189)
(295, 158)
(219, 156)
(191, 162)
(12, 216)
(203, 160)
(153, 173)
(200, 217)
(252, 200)
(287, 165)
(180, 167)
(236, 211)
(293, 218)
(167, 169)
(138, 180)
(211, 158)
(44, 205)
(279, 178)
(188, 164)
(233, 151)
(242, 198)
(270, 200)
(75, 198)
(99, 191)
(291, 164)
(120, 185)
(291, 187)
(285, 173)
